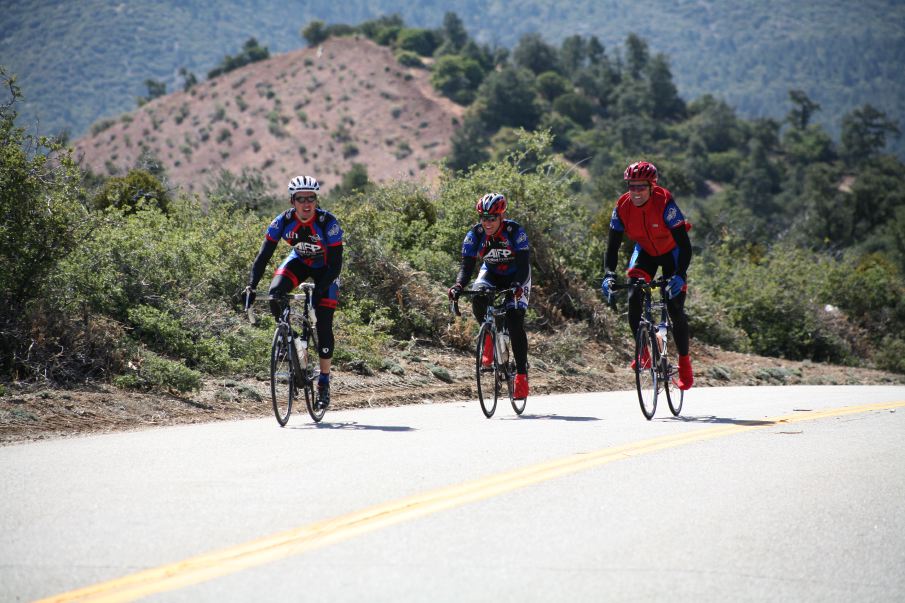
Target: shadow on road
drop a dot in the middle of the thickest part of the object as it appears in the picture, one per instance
(352, 425)
(720, 421)
(550, 418)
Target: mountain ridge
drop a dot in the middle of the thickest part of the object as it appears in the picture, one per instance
(315, 111)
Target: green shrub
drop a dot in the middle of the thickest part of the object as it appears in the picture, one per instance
(135, 189)
(408, 58)
(162, 373)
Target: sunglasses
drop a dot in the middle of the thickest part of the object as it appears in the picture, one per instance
(638, 187)
(305, 198)
(489, 218)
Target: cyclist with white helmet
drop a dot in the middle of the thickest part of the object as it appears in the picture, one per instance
(502, 246)
(649, 216)
(316, 239)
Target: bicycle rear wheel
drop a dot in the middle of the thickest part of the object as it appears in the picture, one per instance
(282, 375)
(310, 370)
(488, 378)
(646, 372)
(507, 364)
(676, 397)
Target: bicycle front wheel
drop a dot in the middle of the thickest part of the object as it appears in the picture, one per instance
(646, 372)
(487, 376)
(310, 370)
(282, 375)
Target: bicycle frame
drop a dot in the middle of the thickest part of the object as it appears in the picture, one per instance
(294, 373)
(502, 368)
(660, 371)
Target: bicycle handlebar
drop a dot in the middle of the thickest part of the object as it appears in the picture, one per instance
(636, 283)
(660, 281)
(491, 293)
(309, 287)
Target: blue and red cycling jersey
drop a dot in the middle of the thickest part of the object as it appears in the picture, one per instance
(309, 241)
(498, 252)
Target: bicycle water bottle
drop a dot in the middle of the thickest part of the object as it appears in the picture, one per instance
(301, 351)
(661, 336)
(502, 339)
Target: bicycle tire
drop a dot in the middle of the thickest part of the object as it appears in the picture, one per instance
(646, 373)
(311, 370)
(487, 378)
(675, 406)
(282, 375)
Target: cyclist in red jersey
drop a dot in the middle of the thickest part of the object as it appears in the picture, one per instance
(649, 216)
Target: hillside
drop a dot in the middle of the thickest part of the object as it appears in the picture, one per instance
(80, 62)
(313, 111)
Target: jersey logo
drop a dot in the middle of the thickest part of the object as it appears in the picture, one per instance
(498, 256)
(671, 214)
(307, 249)
(334, 230)
(522, 237)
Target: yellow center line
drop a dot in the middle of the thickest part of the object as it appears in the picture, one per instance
(300, 540)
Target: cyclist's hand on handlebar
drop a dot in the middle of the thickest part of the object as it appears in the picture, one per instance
(675, 285)
(518, 289)
(454, 292)
(606, 286)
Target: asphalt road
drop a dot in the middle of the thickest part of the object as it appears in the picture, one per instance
(785, 493)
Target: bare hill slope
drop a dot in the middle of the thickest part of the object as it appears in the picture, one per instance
(314, 111)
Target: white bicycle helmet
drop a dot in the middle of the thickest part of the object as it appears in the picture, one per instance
(303, 183)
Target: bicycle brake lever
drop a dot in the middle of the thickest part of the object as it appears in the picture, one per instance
(249, 311)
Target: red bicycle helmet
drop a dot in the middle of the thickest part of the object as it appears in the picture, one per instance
(491, 203)
(641, 170)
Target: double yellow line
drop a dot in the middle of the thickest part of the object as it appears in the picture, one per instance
(300, 540)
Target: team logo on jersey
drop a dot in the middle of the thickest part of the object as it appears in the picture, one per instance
(469, 238)
(671, 214)
(522, 237)
(498, 256)
(307, 249)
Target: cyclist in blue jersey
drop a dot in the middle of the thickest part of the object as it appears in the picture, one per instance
(316, 239)
(502, 247)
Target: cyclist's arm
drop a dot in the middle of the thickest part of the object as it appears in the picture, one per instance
(612, 250)
(334, 266)
(680, 234)
(257, 268)
(522, 265)
(465, 269)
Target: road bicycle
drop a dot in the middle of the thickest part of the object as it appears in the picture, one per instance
(654, 367)
(494, 333)
(294, 362)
